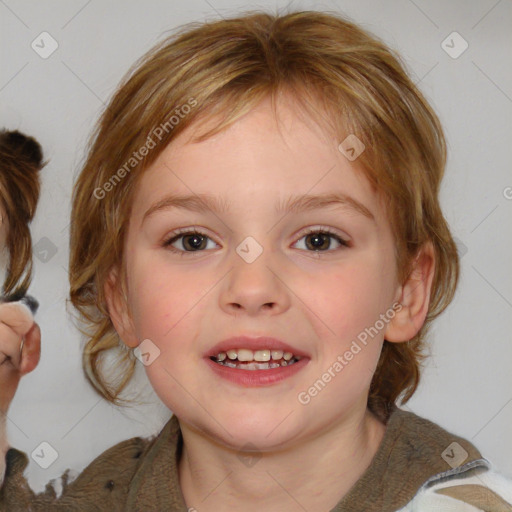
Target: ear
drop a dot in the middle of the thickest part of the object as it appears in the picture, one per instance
(118, 309)
(414, 296)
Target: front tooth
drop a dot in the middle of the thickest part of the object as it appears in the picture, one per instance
(221, 356)
(232, 354)
(287, 356)
(261, 355)
(245, 354)
(277, 354)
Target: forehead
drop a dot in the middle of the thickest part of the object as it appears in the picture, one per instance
(261, 158)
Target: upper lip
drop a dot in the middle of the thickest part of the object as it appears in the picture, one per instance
(254, 343)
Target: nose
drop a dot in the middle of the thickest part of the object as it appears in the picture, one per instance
(255, 288)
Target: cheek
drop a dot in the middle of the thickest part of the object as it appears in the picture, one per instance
(164, 297)
(351, 300)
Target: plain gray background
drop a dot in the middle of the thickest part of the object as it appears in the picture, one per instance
(467, 386)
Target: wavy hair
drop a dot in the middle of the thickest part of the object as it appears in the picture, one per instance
(20, 162)
(343, 77)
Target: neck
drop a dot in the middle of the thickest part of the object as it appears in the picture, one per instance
(313, 475)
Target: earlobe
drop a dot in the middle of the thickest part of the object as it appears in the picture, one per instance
(118, 309)
(414, 297)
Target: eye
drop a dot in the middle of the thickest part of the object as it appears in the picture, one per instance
(321, 241)
(191, 241)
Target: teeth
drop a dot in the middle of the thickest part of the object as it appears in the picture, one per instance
(260, 366)
(253, 365)
(277, 354)
(261, 355)
(245, 355)
(255, 360)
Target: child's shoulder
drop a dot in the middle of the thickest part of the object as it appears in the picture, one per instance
(481, 488)
(105, 483)
(434, 469)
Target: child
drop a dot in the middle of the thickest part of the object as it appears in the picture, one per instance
(258, 224)
(20, 162)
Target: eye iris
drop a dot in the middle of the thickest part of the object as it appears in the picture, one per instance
(316, 237)
(319, 241)
(198, 240)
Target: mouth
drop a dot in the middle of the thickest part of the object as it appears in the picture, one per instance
(262, 359)
(255, 361)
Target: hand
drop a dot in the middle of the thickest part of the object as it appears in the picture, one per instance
(16, 323)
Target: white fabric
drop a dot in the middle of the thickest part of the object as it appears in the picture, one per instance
(427, 500)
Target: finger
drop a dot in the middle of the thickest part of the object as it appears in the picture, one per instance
(17, 316)
(31, 350)
(9, 345)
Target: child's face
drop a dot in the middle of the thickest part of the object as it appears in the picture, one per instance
(318, 302)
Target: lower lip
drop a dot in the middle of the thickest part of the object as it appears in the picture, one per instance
(256, 378)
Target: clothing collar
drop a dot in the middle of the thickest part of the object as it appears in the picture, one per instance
(412, 451)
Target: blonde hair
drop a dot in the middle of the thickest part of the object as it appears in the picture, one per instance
(341, 75)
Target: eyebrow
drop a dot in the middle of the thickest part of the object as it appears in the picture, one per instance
(204, 203)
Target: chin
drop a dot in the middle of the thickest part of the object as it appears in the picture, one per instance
(263, 428)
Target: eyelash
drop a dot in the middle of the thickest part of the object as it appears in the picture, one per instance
(176, 235)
